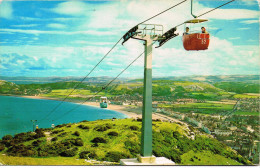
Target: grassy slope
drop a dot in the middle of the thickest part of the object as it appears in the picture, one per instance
(12, 160)
(169, 140)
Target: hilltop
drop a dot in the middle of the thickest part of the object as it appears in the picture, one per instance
(111, 140)
(192, 78)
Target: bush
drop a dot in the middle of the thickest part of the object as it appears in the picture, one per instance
(78, 142)
(134, 128)
(112, 133)
(102, 128)
(115, 156)
(84, 121)
(7, 137)
(139, 119)
(88, 155)
(133, 147)
(36, 143)
(54, 139)
(98, 140)
(57, 131)
(83, 126)
(39, 134)
(69, 153)
(61, 125)
(2, 147)
(76, 133)
(21, 150)
(22, 137)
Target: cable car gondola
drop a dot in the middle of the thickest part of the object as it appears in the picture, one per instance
(103, 102)
(195, 40)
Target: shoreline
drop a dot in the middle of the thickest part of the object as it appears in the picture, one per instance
(118, 108)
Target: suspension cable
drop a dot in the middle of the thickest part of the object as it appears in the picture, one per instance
(208, 11)
(103, 88)
(215, 8)
(76, 86)
(128, 65)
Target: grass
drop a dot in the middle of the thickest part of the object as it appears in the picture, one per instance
(245, 96)
(206, 158)
(247, 113)
(165, 138)
(206, 108)
(77, 93)
(12, 160)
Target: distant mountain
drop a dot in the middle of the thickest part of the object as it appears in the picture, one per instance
(215, 78)
(41, 80)
(195, 78)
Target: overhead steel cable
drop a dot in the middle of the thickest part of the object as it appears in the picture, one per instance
(119, 41)
(215, 8)
(208, 11)
(162, 12)
(103, 88)
(143, 52)
(76, 86)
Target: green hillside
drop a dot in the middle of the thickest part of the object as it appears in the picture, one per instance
(112, 140)
(8, 87)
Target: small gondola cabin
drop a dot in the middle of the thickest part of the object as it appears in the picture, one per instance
(195, 39)
(103, 102)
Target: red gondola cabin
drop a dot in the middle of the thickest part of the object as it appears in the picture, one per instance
(195, 40)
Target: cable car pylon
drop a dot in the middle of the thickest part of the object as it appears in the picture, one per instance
(149, 33)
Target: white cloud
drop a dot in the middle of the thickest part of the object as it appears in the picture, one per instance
(56, 25)
(234, 38)
(6, 10)
(231, 14)
(25, 25)
(36, 32)
(71, 8)
(92, 43)
(244, 28)
(250, 21)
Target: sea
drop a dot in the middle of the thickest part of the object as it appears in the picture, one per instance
(18, 114)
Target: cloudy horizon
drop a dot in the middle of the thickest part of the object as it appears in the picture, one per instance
(68, 38)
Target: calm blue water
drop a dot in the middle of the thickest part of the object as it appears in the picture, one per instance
(16, 114)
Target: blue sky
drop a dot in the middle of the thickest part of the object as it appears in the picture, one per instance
(67, 38)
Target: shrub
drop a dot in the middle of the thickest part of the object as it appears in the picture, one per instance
(133, 147)
(7, 137)
(88, 155)
(78, 142)
(94, 145)
(36, 143)
(39, 133)
(57, 131)
(134, 127)
(102, 128)
(98, 140)
(2, 147)
(84, 121)
(83, 126)
(76, 133)
(112, 133)
(139, 119)
(54, 139)
(69, 153)
(63, 134)
(61, 125)
(115, 156)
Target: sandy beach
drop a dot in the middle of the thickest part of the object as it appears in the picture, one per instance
(118, 108)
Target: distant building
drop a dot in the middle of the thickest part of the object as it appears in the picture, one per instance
(222, 132)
